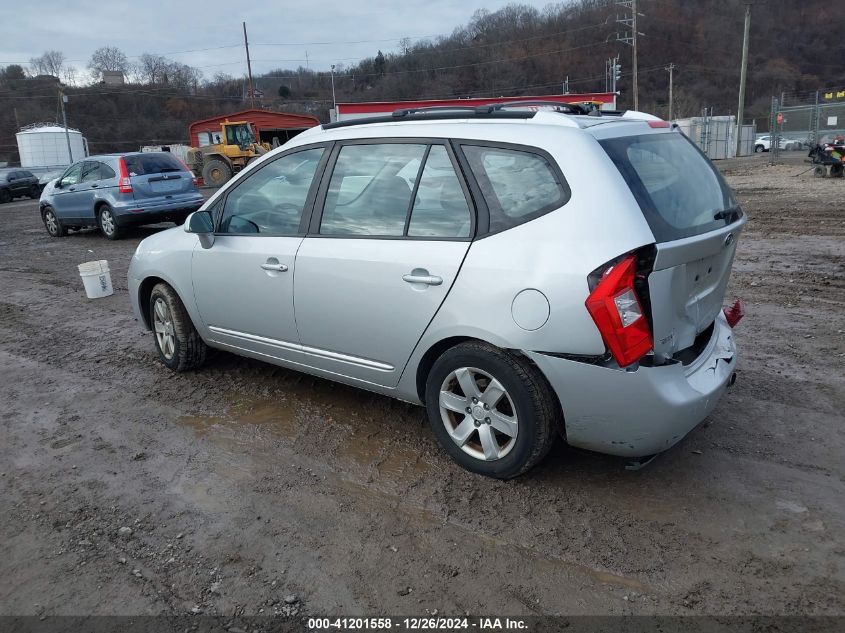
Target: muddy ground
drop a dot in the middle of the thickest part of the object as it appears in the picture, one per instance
(242, 484)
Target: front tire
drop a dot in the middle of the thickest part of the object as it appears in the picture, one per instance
(52, 223)
(216, 173)
(492, 411)
(108, 223)
(5, 196)
(758, 149)
(177, 341)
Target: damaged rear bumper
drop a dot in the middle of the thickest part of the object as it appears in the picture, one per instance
(642, 412)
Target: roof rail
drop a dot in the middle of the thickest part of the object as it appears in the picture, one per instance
(572, 108)
(435, 114)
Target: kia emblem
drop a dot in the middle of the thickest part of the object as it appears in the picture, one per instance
(729, 239)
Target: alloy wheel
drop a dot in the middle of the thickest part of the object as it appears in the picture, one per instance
(478, 413)
(51, 222)
(107, 222)
(163, 326)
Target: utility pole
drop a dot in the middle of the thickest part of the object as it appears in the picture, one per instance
(249, 70)
(631, 40)
(62, 100)
(634, 54)
(334, 101)
(671, 69)
(742, 74)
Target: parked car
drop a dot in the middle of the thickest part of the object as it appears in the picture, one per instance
(17, 183)
(519, 273)
(114, 191)
(764, 144)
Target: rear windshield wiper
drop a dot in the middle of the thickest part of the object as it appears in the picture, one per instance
(726, 213)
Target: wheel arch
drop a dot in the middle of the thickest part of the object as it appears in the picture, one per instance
(144, 290)
(438, 348)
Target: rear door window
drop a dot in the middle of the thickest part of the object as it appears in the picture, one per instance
(440, 206)
(518, 185)
(90, 171)
(152, 163)
(370, 189)
(678, 189)
(106, 172)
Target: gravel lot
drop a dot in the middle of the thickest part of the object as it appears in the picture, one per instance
(245, 489)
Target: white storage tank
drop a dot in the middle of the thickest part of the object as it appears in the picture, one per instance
(46, 146)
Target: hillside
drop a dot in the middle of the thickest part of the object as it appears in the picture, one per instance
(517, 50)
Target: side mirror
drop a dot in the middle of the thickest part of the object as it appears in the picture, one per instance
(58, 183)
(201, 223)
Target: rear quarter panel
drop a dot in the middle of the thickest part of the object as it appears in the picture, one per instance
(553, 254)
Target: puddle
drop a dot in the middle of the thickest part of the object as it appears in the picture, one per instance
(320, 418)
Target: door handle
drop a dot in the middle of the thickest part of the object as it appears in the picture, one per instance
(71, 189)
(279, 268)
(429, 280)
(94, 185)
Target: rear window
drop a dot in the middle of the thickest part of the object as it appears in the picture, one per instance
(152, 163)
(678, 189)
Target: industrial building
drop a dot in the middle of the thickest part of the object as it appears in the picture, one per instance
(270, 126)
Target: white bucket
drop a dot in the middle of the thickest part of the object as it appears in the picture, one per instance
(96, 277)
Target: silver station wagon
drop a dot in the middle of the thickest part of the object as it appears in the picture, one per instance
(521, 272)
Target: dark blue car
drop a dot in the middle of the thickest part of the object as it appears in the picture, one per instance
(114, 191)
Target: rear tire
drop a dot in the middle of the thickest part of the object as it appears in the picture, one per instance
(216, 173)
(52, 223)
(177, 341)
(108, 223)
(34, 192)
(758, 149)
(507, 425)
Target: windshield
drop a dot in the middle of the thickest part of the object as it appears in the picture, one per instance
(678, 189)
(239, 135)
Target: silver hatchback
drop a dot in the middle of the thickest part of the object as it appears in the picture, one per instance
(520, 273)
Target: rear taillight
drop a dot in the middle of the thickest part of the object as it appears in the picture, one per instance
(617, 311)
(734, 313)
(193, 175)
(124, 185)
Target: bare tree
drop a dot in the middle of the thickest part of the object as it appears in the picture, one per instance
(50, 63)
(152, 69)
(107, 58)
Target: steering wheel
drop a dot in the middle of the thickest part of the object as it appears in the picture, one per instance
(271, 217)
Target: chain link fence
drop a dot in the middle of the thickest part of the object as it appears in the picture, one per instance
(802, 120)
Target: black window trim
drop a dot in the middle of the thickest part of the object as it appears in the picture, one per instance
(476, 186)
(326, 146)
(317, 216)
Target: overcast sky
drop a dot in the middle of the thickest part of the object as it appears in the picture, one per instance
(280, 33)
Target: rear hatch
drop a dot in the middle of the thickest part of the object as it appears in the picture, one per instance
(695, 220)
(158, 175)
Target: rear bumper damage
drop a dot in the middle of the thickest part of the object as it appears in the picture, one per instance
(642, 412)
